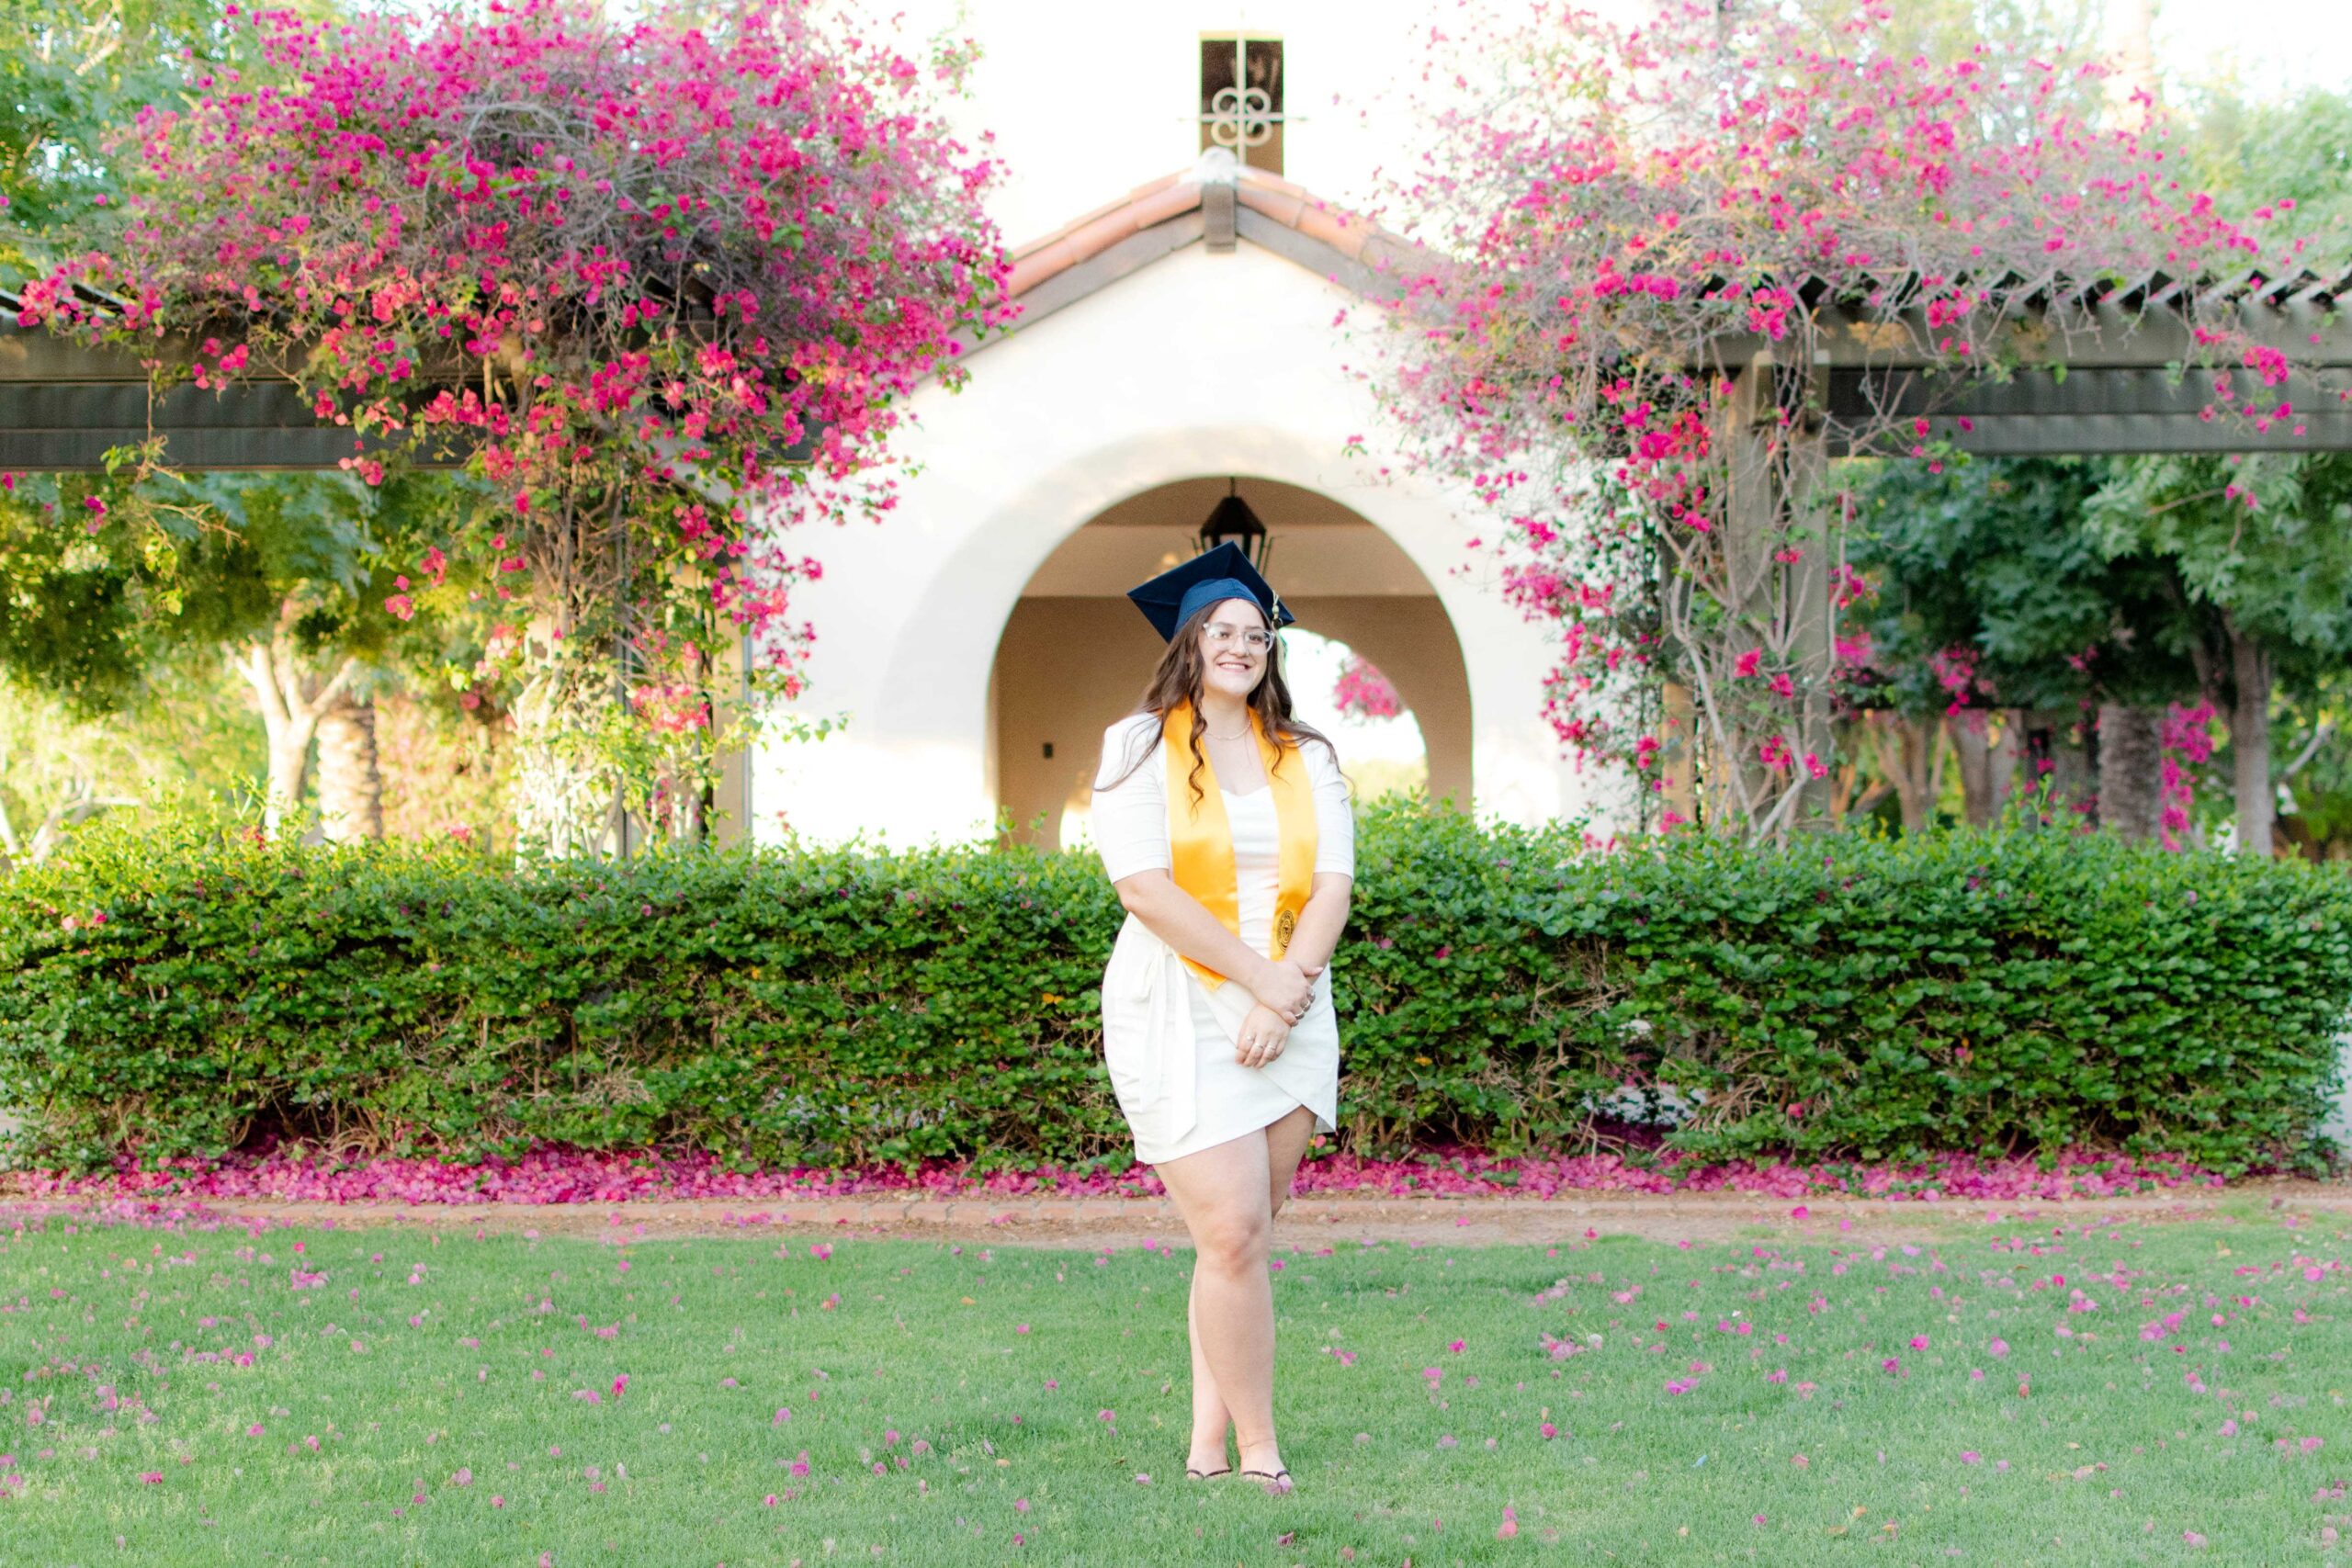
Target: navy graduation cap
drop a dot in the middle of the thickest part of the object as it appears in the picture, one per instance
(1210, 578)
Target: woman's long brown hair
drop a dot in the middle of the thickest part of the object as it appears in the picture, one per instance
(1178, 679)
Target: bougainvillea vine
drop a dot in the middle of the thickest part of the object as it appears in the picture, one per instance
(1640, 245)
(661, 283)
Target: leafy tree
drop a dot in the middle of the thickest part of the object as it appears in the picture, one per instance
(625, 267)
(187, 734)
(2265, 544)
(70, 74)
(291, 577)
(2261, 543)
(1991, 593)
(2255, 148)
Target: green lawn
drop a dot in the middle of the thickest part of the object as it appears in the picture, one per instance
(422, 1403)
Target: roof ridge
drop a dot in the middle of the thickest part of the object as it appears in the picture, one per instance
(1175, 195)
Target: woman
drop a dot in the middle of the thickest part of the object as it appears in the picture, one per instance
(1225, 824)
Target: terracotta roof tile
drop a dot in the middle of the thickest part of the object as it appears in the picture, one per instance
(1280, 206)
(1172, 196)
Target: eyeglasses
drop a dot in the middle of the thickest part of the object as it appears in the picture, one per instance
(1256, 639)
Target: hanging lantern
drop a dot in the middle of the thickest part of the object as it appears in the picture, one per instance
(1231, 521)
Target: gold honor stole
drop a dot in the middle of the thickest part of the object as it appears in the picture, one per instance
(1200, 838)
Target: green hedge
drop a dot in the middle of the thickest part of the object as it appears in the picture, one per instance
(1972, 992)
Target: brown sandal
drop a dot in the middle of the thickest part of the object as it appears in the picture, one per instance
(1192, 1474)
(1278, 1481)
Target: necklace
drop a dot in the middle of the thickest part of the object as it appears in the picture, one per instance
(1235, 736)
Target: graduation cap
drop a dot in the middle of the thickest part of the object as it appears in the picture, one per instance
(1170, 600)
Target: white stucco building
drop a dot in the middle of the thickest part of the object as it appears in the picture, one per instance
(1179, 335)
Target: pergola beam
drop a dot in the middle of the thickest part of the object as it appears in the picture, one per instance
(70, 426)
(2103, 367)
(2109, 412)
(2102, 336)
(64, 406)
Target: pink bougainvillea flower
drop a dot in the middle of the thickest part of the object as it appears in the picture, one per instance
(1643, 211)
(838, 227)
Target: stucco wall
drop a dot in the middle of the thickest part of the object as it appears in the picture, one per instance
(1199, 364)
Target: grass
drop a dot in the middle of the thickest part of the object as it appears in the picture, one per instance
(414, 1362)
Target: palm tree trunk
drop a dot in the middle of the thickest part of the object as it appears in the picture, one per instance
(2130, 769)
(351, 785)
(2250, 741)
(1906, 748)
(2059, 768)
(1988, 767)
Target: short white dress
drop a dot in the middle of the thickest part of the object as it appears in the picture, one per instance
(1169, 1039)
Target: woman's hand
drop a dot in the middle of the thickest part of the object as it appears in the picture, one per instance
(1264, 1035)
(1283, 988)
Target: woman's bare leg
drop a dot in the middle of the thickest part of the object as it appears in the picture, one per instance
(1286, 1142)
(1211, 1420)
(1222, 1193)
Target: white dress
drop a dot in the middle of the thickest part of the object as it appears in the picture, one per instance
(1169, 1039)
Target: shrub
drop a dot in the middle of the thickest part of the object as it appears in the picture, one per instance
(1992, 993)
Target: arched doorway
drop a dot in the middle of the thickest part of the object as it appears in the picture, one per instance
(1074, 653)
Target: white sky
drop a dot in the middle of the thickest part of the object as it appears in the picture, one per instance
(2285, 44)
(2270, 43)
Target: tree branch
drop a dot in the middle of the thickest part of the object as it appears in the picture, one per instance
(336, 686)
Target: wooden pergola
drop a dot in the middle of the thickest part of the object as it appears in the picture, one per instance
(2103, 369)
(2109, 369)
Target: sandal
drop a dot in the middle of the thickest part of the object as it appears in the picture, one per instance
(1278, 1481)
(1192, 1474)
